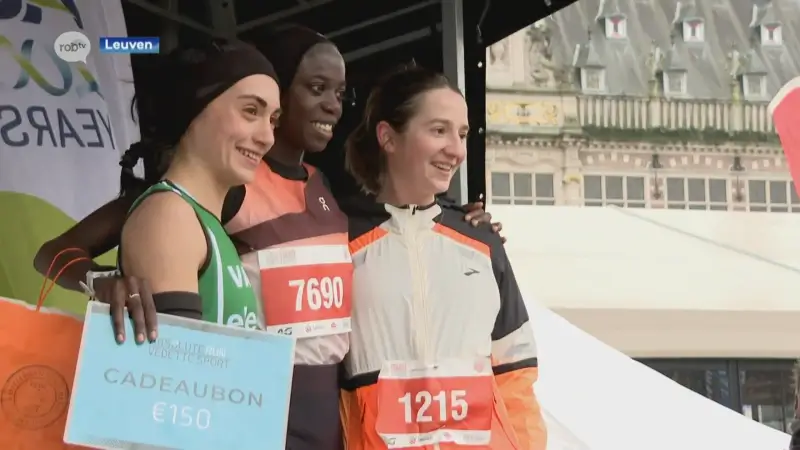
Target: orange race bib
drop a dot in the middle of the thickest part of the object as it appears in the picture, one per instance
(427, 404)
(306, 290)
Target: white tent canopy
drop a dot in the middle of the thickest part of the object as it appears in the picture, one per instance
(596, 398)
(664, 282)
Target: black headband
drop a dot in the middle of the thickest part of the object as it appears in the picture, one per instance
(207, 79)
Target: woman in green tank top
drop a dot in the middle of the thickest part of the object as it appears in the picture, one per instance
(214, 108)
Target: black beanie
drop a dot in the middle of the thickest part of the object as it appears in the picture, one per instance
(285, 48)
(203, 75)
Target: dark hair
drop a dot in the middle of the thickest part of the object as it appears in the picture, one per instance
(285, 46)
(393, 101)
(171, 90)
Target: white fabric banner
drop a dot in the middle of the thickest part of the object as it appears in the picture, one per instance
(596, 398)
(63, 127)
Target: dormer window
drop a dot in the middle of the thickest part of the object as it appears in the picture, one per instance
(753, 75)
(771, 34)
(616, 27)
(765, 24)
(612, 20)
(593, 79)
(674, 83)
(590, 67)
(694, 30)
(673, 70)
(754, 86)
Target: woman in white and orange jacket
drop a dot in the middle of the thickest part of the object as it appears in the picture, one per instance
(442, 352)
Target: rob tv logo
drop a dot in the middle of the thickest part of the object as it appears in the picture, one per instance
(129, 45)
(72, 46)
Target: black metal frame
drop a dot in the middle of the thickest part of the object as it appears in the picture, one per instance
(475, 92)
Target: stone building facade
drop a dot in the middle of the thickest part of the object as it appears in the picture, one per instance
(656, 104)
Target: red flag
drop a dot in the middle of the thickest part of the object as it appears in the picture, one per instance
(785, 111)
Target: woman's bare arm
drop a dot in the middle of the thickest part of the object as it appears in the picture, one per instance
(95, 235)
(163, 243)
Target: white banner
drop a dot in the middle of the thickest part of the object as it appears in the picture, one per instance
(63, 127)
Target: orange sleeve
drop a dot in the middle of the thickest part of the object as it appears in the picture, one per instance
(524, 413)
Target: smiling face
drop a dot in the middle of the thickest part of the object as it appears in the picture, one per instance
(313, 105)
(236, 129)
(424, 156)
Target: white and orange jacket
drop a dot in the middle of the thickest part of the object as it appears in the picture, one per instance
(428, 286)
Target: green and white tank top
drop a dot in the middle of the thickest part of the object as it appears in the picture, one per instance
(228, 298)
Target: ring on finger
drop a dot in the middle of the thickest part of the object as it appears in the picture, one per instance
(134, 295)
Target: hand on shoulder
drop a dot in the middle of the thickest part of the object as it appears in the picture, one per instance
(476, 215)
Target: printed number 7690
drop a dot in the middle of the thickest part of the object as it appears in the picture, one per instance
(325, 292)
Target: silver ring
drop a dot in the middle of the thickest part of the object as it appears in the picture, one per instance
(136, 295)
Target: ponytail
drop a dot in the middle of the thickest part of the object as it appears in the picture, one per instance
(129, 183)
(155, 159)
(364, 158)
(153, 80)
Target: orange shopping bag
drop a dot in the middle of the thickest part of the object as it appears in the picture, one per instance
(38, 355)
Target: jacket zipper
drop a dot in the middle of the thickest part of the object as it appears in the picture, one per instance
(418, 292)
(418, 280)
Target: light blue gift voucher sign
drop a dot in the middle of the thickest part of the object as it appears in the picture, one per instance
(200, 386)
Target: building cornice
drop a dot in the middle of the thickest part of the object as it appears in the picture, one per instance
(496, 140)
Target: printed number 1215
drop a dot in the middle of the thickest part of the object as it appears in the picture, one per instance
(455, 409)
